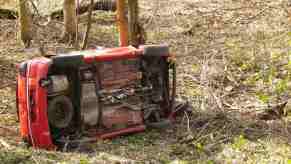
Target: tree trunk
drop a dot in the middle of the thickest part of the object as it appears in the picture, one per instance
(70, 20)
(122, 22)
(85, 41)
(25, 23)
(108, 5)
(137, 34)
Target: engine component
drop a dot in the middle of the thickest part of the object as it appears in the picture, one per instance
(90, 104)
(120, 116)
(58, 83)
(156, 50)
(60, 112)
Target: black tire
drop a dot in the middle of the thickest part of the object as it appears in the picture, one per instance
(60, 112)
(156, 50)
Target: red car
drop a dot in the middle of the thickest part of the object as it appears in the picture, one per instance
(98, 93)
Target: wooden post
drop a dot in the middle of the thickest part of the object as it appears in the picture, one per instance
(133, 22)
(122, 23)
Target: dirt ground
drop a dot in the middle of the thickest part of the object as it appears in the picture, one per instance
(234, 69)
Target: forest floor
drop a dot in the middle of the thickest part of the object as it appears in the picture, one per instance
(234, 68)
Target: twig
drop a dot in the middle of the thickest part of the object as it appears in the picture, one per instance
(35, 160)
(35, 8)
(5, 144)
(10, 130)
(6, 85)
(199, 134)
(218, 101)
(208, 147)
(188, 122)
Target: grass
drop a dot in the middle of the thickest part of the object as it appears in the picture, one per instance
(233, 63)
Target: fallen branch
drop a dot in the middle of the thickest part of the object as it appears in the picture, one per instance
(34, 7)
(8, 14)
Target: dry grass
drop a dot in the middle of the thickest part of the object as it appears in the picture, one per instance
(234, 62)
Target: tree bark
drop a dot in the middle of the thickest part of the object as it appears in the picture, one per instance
(25, 23)
(70, 20)
(108, 5)
(85, 41)
(122, 22)
(137, 34)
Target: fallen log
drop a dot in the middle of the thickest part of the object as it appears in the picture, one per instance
(105, 5)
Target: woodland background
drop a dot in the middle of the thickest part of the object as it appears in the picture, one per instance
(234, 67)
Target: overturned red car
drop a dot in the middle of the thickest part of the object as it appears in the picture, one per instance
(95, 94)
